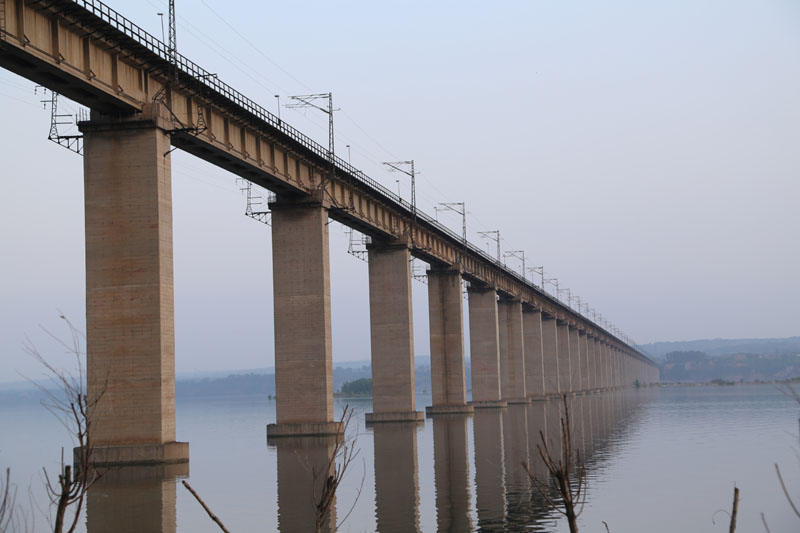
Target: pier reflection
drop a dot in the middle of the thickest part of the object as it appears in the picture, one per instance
(396, 476)
(303, 464)
(135, 499)
(490, 483)
(451, 472)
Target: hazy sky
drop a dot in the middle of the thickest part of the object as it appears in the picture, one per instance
(646, 153)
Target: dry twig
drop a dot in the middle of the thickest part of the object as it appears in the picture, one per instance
(75, 410)
(343, 453)
(735, 509)
(201, 502)
(567, 473)
(7, 501)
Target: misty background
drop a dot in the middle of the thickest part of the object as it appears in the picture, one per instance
(644, 153)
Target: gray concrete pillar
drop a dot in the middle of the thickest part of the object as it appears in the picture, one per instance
(574, 360)
(584, 355)
(302, 300)
(451, 473)
(550, 358)
(490, 484)
(130, 332)
(396, 476)
(484, 347)
(391, 334)
(601, 351)
(594, 363)
(534, 349)
(512, 359)
(564, 363)
(447, 343)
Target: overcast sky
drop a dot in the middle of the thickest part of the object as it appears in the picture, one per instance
(645, 153)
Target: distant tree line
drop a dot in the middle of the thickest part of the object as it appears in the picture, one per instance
(359, 387)
(696, 366)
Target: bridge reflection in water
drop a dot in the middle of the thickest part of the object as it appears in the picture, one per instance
(499, 498)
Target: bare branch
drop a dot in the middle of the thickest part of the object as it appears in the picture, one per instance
(74, 409)
(201, 502)
(567, 473)
(785, 491)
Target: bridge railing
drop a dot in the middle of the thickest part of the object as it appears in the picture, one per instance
(197, 74)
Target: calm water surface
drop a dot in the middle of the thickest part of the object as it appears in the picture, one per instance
(658, 460)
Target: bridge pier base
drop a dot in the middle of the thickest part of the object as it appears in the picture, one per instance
(130, 332)
(391, 334)
(302, 299)
(484, 345)
(448, 381)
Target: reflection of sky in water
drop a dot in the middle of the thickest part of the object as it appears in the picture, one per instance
(661, 460)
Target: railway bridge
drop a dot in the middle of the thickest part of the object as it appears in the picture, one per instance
(145, 99)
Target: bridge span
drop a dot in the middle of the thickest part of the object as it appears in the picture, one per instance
(144, 98)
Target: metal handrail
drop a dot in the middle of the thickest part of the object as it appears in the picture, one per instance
(202, 76)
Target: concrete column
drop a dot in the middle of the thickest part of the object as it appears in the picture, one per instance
(490, 485)
(550, 358)
(534, 363)
(396, 476)
(302, 299)
(484, 347)
(601, 360)
(574, 360)
(447, 343)
(594, 363)
(451, 473)
(391, 334)
(130, 333)
(298, 459)
(512, 359)
(135, 499)
(584, 355)
(564, 363)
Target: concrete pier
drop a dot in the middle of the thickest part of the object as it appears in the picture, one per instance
(302, 299)
(448, 381)
(550, 359)
(512, 359)
(564, 362)
(130, 332)
(391, 334)
(574, 360)
(534, 359)
(484, 344)
(584, 355)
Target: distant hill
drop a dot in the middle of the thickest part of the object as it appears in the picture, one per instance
(717, 347)
(264, 383)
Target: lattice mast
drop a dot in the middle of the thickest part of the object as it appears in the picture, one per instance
(310, 100)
